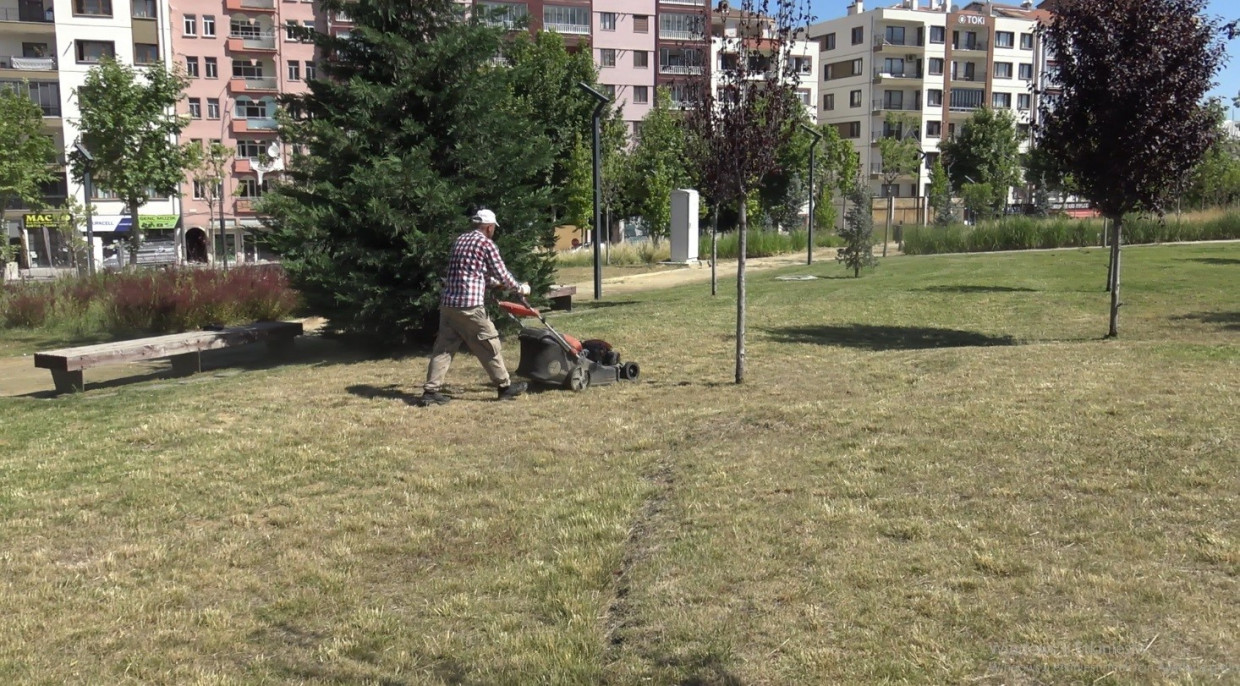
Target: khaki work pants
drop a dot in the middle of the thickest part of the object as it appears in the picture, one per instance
(474, 328)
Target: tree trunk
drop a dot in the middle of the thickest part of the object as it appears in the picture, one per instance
(891, 211)
(714, 250)
(740, 291)
(1116, 236)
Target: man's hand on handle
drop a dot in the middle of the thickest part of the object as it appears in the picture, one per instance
(523, 289)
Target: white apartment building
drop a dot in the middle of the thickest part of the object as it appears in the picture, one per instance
(728, 29)
(51, 45)
(935, 63)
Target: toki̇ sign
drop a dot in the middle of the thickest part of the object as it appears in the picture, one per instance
(972, 19)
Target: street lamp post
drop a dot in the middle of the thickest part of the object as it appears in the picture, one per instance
(90, 222)
(603, 100)
(809, 257)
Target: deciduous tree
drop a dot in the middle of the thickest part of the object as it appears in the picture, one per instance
(986, 151)
(26, 151)
(207, 168)
(900, 148)
(129, 124)
(1126, 115)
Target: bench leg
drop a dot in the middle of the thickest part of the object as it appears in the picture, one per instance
(186, 364)
(280, 346)
(68, 382)
(564, 302)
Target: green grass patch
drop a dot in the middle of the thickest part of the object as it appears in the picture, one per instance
(937, 473)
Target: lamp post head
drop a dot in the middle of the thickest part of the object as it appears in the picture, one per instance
(81, 150)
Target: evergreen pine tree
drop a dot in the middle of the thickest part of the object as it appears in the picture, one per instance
(411, 127)
(858, 231)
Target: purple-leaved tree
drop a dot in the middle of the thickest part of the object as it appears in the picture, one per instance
(739, 122)
(1125, 114)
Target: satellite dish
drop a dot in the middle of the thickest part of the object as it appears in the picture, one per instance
(269, 164)
(273, 151)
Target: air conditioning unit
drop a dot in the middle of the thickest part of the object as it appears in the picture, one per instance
(910, 57)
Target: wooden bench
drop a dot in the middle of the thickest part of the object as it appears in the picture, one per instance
(561, 297)
(185, 350)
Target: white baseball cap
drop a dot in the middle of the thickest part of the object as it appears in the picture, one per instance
(484, 217)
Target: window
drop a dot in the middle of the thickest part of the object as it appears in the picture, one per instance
(1026, 41)
(195, 108)
(828, 42)
(189, 25)
(290, 30)
(804, 96)
(240, 27)
(294, 70)
(607, 57)
(246, 108)
(144, 9)
(934, 98)
(213, 68)
(36, 50)
(803, 65)
(938, 34)
(195, 142)
(934, 129)
(200, 190)
(1023, 131)
(679, 26)
(208, 26)
(641, 59)
(641, 95)
(641, 23)
(213, 108)
(1023, 101)
(145, 53)
(248, 148)
(1026, 72)
(609, 90)
(936, 66)
(854, 99)
(858, 35)
(191, 67)
(931, 158)
(1003, 70)
(857, 66)
(894, 35)
(247, 69)
(852, 129)
(828, 101)
(894, 66)
(893, 100)
(607, 21)
(249, 188)
(566, 19)
(1003, 100)
(97, 8)
(1005, 39)
(310, 71)
(89, 51)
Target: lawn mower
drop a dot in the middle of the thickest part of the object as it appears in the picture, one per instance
(553, 359)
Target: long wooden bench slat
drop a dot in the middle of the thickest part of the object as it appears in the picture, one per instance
(85, 357)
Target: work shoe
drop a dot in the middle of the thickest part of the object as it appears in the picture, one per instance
(511, 391)
(429, 398)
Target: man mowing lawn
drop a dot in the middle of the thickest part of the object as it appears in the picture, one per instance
(474, 264)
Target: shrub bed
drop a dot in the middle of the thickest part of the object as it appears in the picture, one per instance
(761, 244)
(150, 302)
(1027, 233)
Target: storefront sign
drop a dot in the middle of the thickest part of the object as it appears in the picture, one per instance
(120, 223)
(47, 220)
(159, 221)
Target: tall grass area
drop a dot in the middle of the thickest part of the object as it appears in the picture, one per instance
(1026, 233)
(148, 302)
(760, 244)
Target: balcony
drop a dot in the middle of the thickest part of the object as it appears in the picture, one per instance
(977, 75)
(690, 3)
(881, 73)
(254, 125)
(243, 165)
(257, 84)
(29, 18)
(570, 29)
(881, 105)
(971, 46)
(251, 43)
(27, 67)
(909, 43)
(679, 69)
(244, 205)
(250, 5)
(680, 34)
(967, 99)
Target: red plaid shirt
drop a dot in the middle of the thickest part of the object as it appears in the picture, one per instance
(474, 263)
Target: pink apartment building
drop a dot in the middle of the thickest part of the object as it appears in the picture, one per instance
(239, 59)
(624, 52)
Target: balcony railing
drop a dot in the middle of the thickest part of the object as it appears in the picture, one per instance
(258, 83)
(258, 4)
(977, 45)
(28, 63)
(880, 104)
(252, 42)
(575, 29)
(977, 75)
(907, 42)
(680, 34)
(27, 13)
(679, 69)
(695, 3)
(881, 73)
(261, 124)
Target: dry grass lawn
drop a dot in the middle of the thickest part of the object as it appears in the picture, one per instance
(938, 473)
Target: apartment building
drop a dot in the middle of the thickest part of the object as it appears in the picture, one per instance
(625, 53)
(730, 30)
(47, 47)
(239, 56)
(933, 62)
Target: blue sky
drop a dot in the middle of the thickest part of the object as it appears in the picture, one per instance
(1228, 78)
